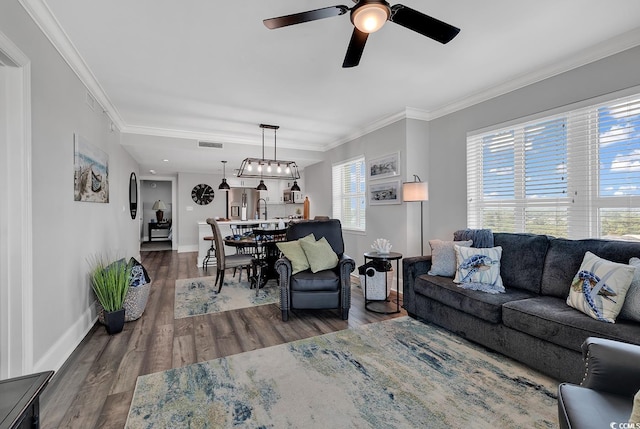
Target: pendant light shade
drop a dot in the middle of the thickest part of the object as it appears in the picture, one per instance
(261, 186)
(295, 187)
(263, 168)
(224, 185)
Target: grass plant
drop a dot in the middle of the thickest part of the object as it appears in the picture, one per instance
(110, 282)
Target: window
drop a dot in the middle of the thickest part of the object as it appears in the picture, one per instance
(574, 174)
(349, 194)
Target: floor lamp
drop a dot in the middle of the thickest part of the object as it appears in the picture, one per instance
(417, 191)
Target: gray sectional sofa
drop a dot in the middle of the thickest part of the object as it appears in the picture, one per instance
(531, 322)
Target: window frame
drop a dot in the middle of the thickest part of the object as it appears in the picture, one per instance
(583, 202)
(339, 193)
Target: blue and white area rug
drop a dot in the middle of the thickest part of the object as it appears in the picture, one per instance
(198, 296)
(399, 373)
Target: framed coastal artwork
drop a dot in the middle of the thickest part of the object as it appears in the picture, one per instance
(387, 192)
(91, 172)
(384, 166)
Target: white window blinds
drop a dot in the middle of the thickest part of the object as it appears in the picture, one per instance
(349, 194)
(575, 174)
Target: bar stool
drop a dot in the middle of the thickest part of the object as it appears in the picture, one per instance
(210, 252)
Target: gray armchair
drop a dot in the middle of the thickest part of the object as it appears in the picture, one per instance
(605, 395)
(327, 289)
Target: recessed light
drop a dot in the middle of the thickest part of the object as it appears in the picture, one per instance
(165, 160)
(152, 171)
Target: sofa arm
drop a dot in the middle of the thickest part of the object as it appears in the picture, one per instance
(611, 366)
(412, 268)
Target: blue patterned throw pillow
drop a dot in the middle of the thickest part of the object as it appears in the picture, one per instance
(479, 269)
(599, 288)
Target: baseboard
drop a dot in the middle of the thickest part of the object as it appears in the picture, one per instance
(188, 248)
(60, 351)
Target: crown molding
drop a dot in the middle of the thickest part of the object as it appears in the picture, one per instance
(50, 26)
(597, 52)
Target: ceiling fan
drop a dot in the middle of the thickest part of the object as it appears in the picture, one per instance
(369, 16)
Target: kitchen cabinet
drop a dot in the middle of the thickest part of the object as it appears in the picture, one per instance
(238, 182)
(273, 194)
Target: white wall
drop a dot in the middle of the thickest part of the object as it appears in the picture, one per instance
(66, 232)
(189, 213)
(447, 135)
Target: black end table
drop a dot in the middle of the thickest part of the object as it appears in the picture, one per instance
(391, 256)
(20, 400)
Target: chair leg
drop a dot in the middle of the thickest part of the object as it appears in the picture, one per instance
(221, 280)
(217, 277)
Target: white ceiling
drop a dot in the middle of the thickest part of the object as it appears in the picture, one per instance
(210, 70)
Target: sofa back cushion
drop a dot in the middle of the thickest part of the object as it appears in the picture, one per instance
(565, 256)
(523, 258)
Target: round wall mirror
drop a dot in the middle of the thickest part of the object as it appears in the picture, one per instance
(133, 195)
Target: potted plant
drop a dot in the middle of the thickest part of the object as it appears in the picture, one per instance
(110, 284)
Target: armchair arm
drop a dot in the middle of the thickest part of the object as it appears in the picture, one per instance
(411, 269)
(283, 268)
(611, 366)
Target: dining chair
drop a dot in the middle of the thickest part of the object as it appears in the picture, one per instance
(266, 254)
(239, 260)
(243, 230)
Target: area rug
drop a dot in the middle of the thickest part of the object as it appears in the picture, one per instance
(199, 296)
(399, 373)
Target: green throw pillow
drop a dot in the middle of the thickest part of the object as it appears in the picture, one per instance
(319, 254)
(293, 251)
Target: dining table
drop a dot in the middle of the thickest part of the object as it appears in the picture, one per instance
(262, 244)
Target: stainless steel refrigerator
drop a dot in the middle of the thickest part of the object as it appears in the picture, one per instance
(242, 203)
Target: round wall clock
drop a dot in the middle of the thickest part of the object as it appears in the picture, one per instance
(202, 194)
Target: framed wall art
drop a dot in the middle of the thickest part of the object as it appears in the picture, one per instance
(91, 172)
(384, 166)
(388, 192)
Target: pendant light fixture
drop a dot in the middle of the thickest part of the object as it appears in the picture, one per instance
(224, 185)
(261, 168)
(295, 187)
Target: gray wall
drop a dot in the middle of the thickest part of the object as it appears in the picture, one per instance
(65, 232)
(447, 135)
(399, 223)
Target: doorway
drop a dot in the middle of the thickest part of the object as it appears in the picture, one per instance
(158, 228)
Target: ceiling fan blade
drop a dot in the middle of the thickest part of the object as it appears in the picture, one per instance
(311, 15)
(355, 48)
(423, 24)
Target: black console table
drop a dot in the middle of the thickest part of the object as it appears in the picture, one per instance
(158, 225)
(20, 400)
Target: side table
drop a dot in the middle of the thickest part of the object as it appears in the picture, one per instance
(375, 256)
(20, 400)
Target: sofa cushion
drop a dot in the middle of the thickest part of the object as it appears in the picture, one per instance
(523, 257)
(565, 256)
(486, 306)
(551, 319)
(599, 287)
(326, 280)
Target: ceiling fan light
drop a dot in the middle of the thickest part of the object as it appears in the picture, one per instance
(370, 18)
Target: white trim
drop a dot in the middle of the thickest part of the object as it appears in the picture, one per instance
(19, 251)
(60, 351)
(50, 26)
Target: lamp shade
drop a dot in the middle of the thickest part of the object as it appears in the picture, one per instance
(159, 205)
(415, 191)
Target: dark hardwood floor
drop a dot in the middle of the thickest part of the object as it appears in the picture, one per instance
(95, 386)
